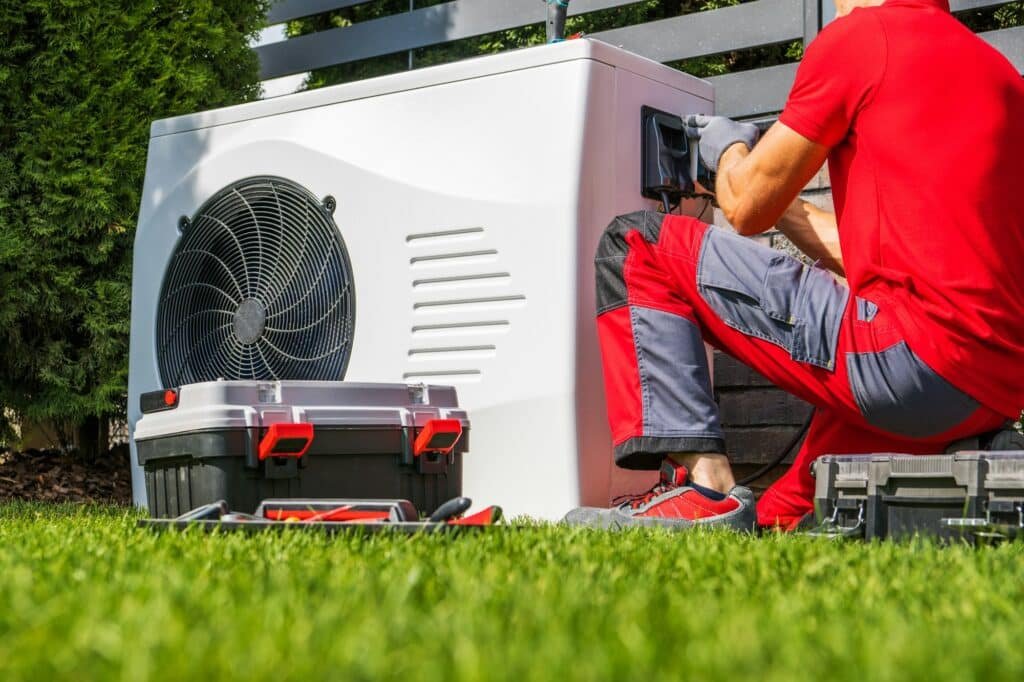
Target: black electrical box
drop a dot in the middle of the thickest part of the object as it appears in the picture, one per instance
(667, 167)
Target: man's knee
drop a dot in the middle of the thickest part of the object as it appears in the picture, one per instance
(609, 262)
(614, 247)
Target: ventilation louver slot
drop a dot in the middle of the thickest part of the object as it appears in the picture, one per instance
(259, 287)
(464, 299)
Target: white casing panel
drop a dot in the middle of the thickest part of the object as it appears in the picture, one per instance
(471, 197)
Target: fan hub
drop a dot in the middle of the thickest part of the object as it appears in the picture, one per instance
(250, 319)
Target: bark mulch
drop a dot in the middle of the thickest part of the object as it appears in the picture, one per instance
(51, 476)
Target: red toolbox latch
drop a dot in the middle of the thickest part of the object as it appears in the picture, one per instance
(438, 435)
(286, 440)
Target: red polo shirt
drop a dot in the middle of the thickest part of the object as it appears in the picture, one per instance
(925, 122)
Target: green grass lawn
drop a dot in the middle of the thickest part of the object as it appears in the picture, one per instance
(86, 595)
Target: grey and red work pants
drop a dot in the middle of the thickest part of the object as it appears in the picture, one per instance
(666, 284)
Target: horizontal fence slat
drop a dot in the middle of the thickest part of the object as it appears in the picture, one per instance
(763, 91)
(964, 5)
(706, 33)
(711, 32)
(405, 31)
(286, 10)
(1009, 41)
(753, 93)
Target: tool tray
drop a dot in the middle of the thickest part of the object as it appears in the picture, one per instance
(246, 441)
(329, 528)
(332, 516)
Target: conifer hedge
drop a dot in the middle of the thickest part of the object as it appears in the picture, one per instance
(80, 82)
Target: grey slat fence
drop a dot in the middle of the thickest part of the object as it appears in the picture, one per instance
(753, 93)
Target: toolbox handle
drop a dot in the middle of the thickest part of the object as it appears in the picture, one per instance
(438, 435)
(451, 509)
(286, 440)
(925, 501)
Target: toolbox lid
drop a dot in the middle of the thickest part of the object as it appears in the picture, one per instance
(220, 405)
(1001, 471)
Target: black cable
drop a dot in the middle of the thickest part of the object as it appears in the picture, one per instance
(666, 203)
(797, 437)
(707, 202)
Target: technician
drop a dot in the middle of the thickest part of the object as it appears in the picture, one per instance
(922, 125)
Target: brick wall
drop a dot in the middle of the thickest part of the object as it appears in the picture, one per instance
(759, 419)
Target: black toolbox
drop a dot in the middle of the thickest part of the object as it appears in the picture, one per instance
(246, 441)
(947, 496)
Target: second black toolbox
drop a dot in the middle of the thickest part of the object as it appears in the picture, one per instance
(894, 496)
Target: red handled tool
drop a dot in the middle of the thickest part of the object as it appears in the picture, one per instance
(337, 510)
(488, 516)
(451, 512)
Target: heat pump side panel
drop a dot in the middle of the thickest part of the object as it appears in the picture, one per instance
(611, 187)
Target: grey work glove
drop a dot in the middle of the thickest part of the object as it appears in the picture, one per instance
(715, 134)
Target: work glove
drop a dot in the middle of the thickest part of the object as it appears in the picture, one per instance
(715, 134)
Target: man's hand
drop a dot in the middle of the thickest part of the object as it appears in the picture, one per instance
(715, 134)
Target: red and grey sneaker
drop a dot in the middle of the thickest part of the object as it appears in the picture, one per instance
(673, 503)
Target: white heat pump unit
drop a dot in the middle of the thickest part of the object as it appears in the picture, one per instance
(435, 226)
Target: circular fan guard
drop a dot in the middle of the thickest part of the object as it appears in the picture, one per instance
(259, 287)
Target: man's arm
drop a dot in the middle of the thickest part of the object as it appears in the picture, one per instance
(814, 232)
(754, 188)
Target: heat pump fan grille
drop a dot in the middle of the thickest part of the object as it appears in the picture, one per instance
(259, 287)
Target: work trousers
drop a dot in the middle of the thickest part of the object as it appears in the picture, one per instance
(666, 284)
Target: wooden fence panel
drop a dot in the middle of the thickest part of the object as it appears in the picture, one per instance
(715, 31)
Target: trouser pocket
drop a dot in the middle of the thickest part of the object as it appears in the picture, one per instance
(898, 393)
(766, 294)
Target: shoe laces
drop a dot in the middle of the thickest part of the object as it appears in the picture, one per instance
(637, 500)
(671, 476)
